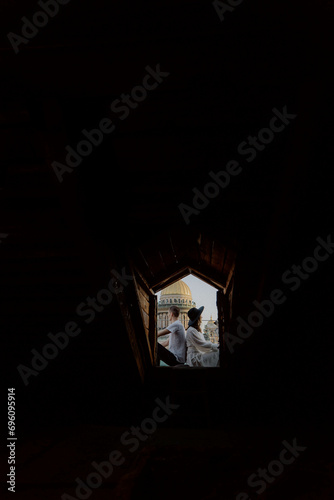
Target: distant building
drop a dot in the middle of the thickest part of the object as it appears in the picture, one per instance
(211, 331)
(178, 294)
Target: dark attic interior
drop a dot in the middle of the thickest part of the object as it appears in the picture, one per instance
(142, 143)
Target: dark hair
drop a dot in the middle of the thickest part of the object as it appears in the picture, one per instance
(175, 311)
(197, 325)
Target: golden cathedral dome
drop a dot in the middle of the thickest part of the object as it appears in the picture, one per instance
(178, 288)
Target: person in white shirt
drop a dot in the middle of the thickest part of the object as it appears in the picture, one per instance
(199, 351)
(177, 340)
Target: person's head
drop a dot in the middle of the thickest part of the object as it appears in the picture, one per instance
(197, 324)
(173, 313)
(195, 318)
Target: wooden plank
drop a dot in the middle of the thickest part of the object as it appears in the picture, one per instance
(170, 276)
(139, 263)
(218, 255)
(180, 242)
(208, 275)
(166, 250)
(221, 321)
(144, 303)
(153, 327)
(144, 260)
(153, 260)
(178, 252)
(143, 297)
(132, 333)
(145, 318)
(229, 294)
(143, 293)
(140, 277)
(205, 249)
(206, 257)
(229, 266)
(145, 308)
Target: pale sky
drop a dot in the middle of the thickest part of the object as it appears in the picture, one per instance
(203, 295)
